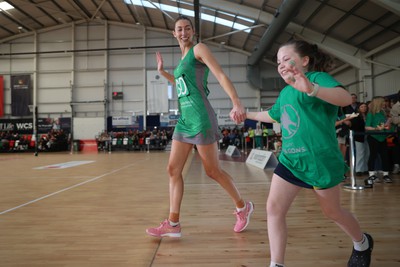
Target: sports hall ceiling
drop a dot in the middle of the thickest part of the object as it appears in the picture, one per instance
(344, 28)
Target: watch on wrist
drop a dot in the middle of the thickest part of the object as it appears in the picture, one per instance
(315, 90)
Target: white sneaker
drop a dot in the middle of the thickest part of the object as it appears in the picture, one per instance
(396, 169)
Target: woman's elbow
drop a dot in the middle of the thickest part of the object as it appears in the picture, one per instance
(345, 98)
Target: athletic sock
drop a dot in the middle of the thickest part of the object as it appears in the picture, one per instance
(361, 245)
(240, 205)
(241, 209)
(173, 217)
(173, 224)
(274, 264)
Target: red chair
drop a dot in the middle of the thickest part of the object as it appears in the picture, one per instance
(11, 144)
(32, 143)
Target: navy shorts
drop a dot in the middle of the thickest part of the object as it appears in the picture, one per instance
(288, 176)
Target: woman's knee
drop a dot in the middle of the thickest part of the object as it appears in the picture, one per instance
(173, 171)
(332, 213)
(213, 173)
(274, 209)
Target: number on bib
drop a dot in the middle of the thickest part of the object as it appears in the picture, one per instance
(181, 87)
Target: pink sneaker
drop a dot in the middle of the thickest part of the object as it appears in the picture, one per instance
(165, 229)
(243, 217)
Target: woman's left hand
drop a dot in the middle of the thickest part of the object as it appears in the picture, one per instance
(298, 80)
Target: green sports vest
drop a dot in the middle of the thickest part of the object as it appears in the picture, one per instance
(196, 114)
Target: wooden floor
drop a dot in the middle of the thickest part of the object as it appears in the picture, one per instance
(95, 214)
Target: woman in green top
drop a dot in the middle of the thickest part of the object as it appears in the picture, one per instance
(310, 158)
(377, 121)
(197, 125)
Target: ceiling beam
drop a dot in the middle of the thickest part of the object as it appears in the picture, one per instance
(391, 5)
(341, 50)
(383, 47)
(97, 10)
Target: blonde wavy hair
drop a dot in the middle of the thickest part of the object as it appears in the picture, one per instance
(376, 104)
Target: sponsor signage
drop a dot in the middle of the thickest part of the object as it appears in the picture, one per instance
(121, 121)
(232, 151)
(25, 126)
(262, 159)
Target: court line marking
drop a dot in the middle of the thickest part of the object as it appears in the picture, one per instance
(64, 165)
(67, 188)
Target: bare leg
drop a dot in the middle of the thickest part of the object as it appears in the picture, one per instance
(343, 150)
(210, 160)
(177, 160)
(329, 200)
(281, 196)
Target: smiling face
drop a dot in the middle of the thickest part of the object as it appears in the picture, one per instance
(183, 31)
(287, 58)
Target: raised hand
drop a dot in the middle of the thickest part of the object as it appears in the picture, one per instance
(296, 78)
(160, 62)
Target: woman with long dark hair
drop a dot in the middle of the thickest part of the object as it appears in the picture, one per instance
(197, 126)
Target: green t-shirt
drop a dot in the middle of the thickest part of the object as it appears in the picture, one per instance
(373, 120)
(310, 149)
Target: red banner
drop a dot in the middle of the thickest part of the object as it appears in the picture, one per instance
(1, 96)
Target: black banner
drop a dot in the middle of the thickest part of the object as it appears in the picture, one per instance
(25, 126)
(1, 96)
(20, 95)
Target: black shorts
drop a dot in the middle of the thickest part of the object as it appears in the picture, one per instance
(288, 176)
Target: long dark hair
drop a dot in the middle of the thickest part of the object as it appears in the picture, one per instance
(319, 61)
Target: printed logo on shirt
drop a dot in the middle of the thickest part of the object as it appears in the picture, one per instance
(290, 121)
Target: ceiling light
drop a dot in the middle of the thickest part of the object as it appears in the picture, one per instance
(5, 6)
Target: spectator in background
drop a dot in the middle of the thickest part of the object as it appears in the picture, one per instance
(360, 140)
(353, 107)
(234, 137)
(342, 126)
(387, 107)
(395, 116)
(377, 121)
(251, 137)
(265, 136)
(258, 136)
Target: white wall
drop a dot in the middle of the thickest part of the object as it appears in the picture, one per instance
(86, 127)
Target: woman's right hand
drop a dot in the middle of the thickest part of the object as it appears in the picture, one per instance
(238, 114)
(380, 127)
